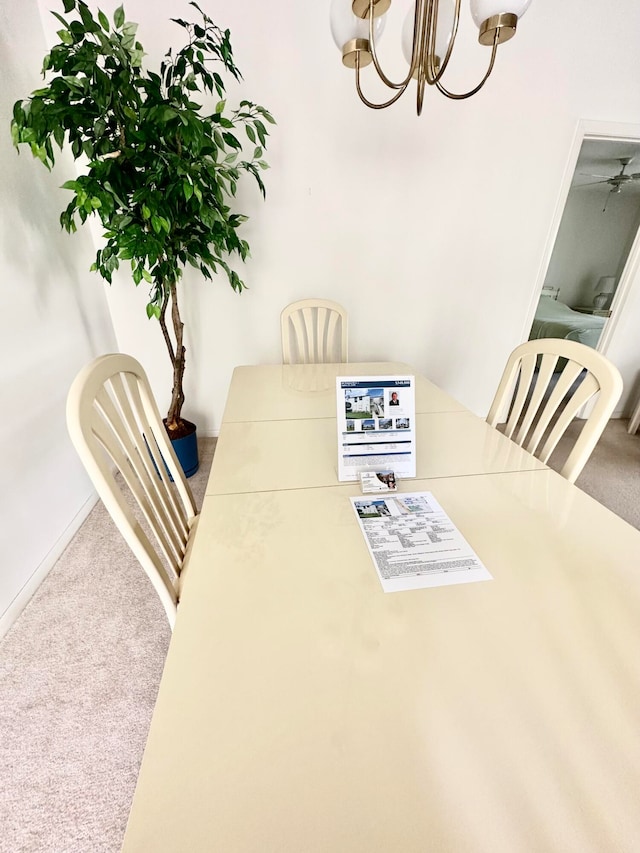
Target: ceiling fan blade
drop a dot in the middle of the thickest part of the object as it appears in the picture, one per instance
(592, 183)
(591, 175)
(635, 176)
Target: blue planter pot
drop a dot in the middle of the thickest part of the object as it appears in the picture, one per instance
(186, 449)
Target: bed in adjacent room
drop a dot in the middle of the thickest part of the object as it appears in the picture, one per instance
(554, 319)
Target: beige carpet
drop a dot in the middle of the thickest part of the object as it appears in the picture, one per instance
(612, 474)
(79, 674)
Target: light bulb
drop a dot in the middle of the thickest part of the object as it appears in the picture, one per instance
(446, 15)
(345, 26)
(482, 10)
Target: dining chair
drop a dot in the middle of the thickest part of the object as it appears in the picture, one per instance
(314, 331)
(116, 428)
(542, 403)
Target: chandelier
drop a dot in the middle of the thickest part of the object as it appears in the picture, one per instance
(428, 37)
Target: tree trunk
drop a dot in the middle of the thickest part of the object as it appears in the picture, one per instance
(178, 361)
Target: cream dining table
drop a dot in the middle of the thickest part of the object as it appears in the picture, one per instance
(303, 710)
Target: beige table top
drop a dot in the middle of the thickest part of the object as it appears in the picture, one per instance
(302, 710)
(298, 454)
(292, 391)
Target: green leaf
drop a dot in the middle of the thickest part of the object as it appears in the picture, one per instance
(87, 17)
(187, 189)
(262, 132)
(104, 21)
(61, 19)
(118, 17)
(69, 5)
(65, 37)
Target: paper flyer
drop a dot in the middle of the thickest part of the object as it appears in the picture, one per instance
(376, 425)
(414, 544)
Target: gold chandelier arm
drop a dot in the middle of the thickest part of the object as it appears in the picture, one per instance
(421, 84)
(370, 103)
(433, 74)
(456, 97)
(374, 54)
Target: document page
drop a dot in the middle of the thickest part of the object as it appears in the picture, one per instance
(376, 425)
(414, 544)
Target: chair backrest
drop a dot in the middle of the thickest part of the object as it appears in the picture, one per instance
(116, 427)
(314, 331)
(543, 401)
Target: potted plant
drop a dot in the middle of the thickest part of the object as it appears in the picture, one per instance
(158, 169)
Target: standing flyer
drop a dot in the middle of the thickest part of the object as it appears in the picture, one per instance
(376, 425)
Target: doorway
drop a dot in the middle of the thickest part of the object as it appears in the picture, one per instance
(594, 248)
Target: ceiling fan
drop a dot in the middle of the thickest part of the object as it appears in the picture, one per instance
(616, 181)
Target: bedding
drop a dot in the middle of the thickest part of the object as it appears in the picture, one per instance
(554, 319)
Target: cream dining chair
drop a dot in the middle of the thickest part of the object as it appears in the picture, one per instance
(542, 400)
(314, 331)
(116, 428)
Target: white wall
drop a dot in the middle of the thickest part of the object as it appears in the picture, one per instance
(591, 243)
(54, 318)
(429, 230)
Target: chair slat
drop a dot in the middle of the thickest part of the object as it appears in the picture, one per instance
(331, 351)
(527, 367)
(320, 348)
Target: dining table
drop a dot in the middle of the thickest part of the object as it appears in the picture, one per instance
(304, 710)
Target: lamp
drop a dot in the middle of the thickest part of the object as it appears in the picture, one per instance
(428, 38)
(605, 289)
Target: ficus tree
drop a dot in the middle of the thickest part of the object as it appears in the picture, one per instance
(156, 166)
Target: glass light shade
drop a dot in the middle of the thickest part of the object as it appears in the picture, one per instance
(446, 14)
(482, 10)
(346, 26)
(606, 284)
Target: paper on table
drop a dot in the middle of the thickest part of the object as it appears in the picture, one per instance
(376, 425)
(414, 544)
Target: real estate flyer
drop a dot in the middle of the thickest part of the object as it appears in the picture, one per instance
(414, 544)
(376, 425)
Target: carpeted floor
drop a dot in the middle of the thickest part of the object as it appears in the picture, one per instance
(80, 669)
(79, 675)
